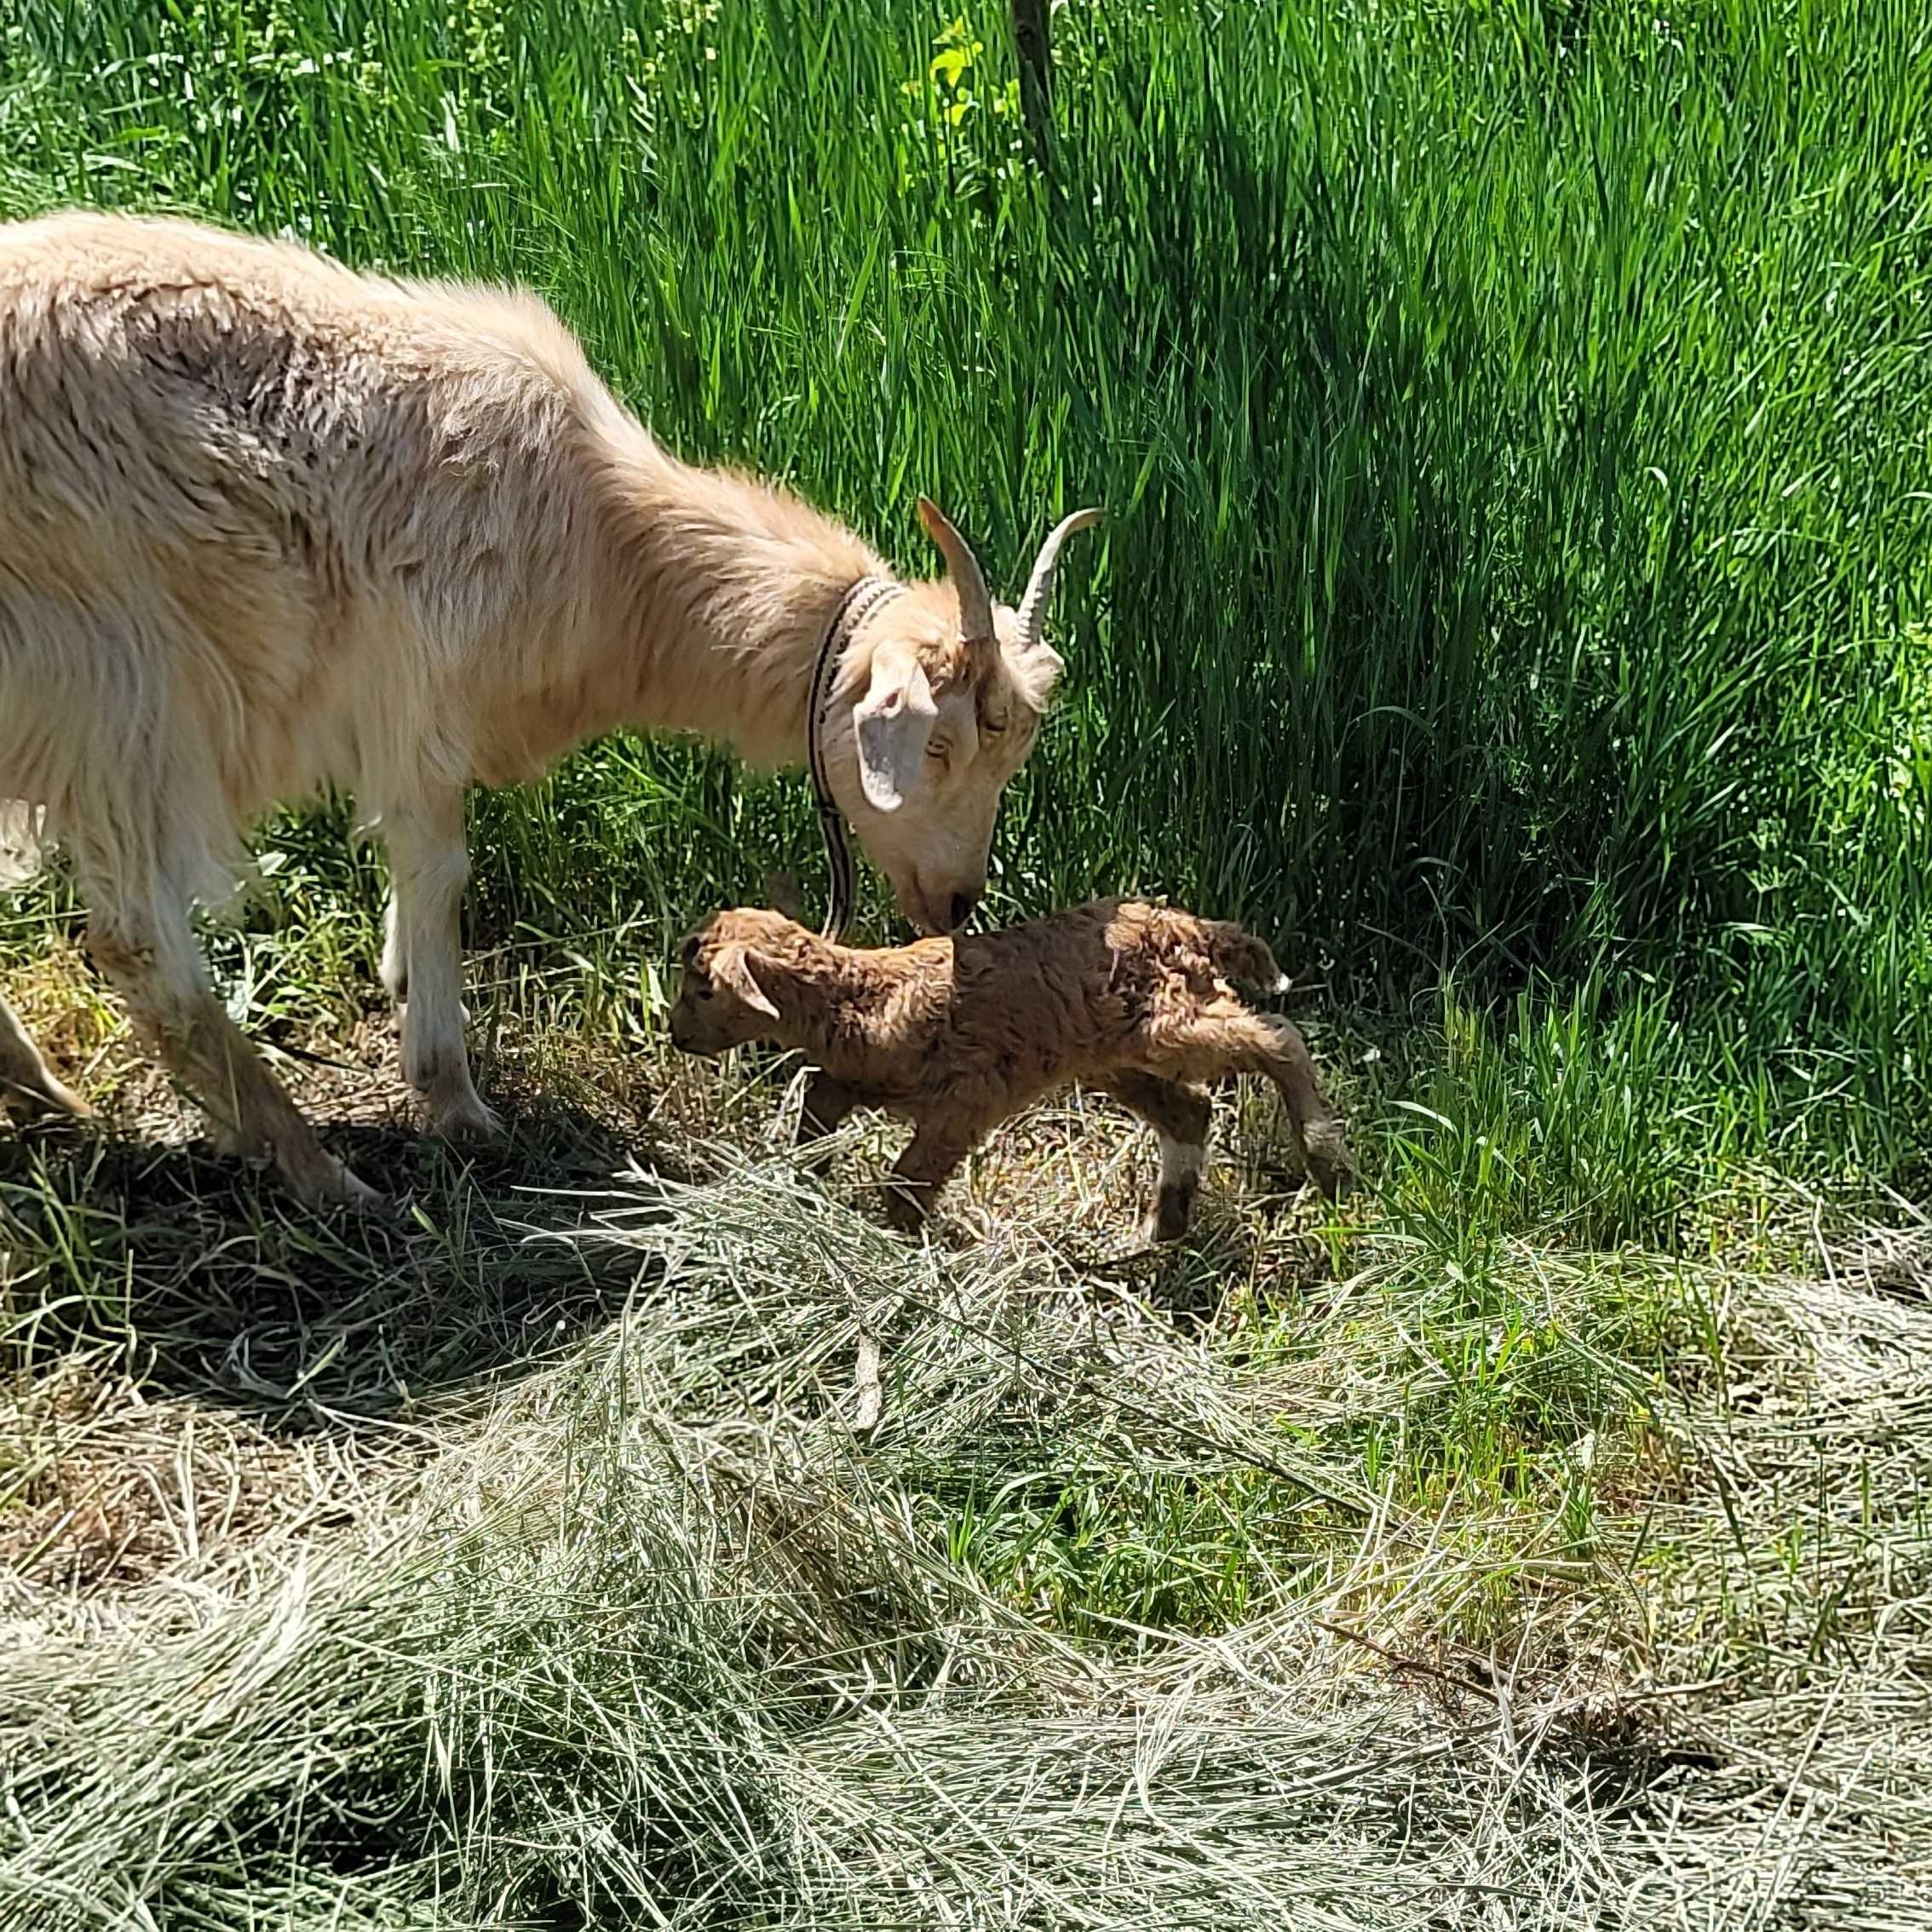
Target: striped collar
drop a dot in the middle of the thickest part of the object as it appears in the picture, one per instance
(867, 596)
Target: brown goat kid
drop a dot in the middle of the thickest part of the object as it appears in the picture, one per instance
(957, 1035)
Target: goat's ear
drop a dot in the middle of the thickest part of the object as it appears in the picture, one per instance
(731, 967)
(893, 723)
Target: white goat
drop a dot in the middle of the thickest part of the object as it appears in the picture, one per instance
(267, 525)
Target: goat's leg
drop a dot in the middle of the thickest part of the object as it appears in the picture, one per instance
(929, 1161)
(1256, 1042)
(1180, 1115)
(422, 961)
(826, 1104)
(395, 967)
(148, 953)
(27, 1084)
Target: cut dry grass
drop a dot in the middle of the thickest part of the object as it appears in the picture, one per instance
(519, 1563)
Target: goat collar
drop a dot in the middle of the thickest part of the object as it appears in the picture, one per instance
(868, 595)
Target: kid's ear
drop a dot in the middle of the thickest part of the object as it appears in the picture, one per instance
(782, 889)
(731, 966)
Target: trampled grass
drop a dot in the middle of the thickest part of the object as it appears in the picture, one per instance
(1591, 1591)
(1512, 421)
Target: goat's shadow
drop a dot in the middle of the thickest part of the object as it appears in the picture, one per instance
(1246, 1251)
(206, 1278)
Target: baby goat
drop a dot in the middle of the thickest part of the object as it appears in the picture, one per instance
(957, 1035)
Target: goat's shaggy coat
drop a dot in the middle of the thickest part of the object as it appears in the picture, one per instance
(956, 1035)
(268, 525)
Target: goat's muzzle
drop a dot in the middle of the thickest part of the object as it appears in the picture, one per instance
(681, 1038)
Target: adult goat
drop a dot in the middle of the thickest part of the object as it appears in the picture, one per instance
(268, 525)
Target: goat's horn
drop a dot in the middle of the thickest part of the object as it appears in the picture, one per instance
(1039, 587)
(975, 601)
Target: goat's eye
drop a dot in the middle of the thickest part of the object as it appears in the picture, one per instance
(994, 727)
(936, 751)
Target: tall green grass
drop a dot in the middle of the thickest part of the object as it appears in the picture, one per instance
(1512, 419)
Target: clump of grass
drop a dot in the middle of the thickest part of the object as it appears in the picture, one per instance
(652, 1633)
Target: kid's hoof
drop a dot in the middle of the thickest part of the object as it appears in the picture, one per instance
(903, 1214)
(1173, 1211)
(1328, 1164)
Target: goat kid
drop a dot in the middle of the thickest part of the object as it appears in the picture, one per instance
(957, 1035)
(268, 527)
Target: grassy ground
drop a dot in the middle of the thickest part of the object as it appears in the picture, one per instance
(1512, 421)
(518, 1563)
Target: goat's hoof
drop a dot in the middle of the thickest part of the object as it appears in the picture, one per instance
(466, 1120)
(1328, 1166)
(337, 1185)
(358, 1194)
(1171, 1214)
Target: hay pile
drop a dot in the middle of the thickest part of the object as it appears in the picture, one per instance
(655, 1636)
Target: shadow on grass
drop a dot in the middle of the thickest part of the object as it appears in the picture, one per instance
(1249, 1254)
(194, 1276)
(205, 1277)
